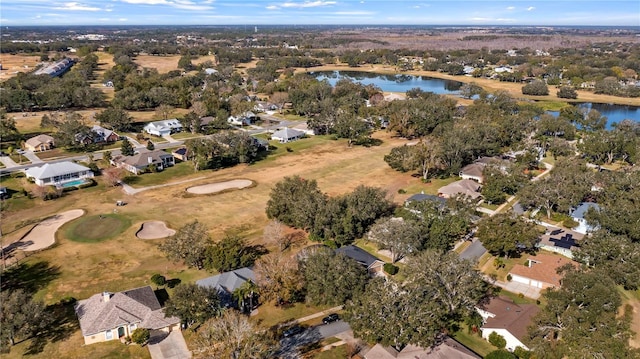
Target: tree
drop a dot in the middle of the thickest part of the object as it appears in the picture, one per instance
(21, 317)
(581, 319)
(112, 176)
(246, 296)
(8, 130)
(278, 277)
(295, 202)
(535, 88)
(116, 119)
(332, 279)
(234, 336)
(470, 89)
(497, 340)
(164, 111)
(188, 244)
(150, 145)
(350, 127)
(500, 354)
(274, 233)
(231, 253)
(280, 99)
(193, 304)
(505, 234)
(158, 280)
(567, 92)
(185, 63)
(126, 148)
(140, 336)
(106, 155)
(397, 235)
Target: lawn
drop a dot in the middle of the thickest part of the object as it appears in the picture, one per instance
(430, 187)
(179, 171)
(270, 315)
(473, 341)
(97, 228)
(508, 263)
(339, 352)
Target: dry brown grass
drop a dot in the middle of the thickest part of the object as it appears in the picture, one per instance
(12, 64)
(163, 64)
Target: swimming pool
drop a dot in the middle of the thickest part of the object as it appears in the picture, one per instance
(73, 183)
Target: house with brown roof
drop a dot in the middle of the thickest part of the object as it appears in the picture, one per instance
(39, 143)
(143, 160)
(464, 187)
(447, 349)
(502, 316)
(109, 316)
(540, 271)
(473, 171)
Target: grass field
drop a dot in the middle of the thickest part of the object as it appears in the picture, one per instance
(12, 64)
(93, 229)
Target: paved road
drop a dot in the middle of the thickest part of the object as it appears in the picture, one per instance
(289, 346)
(474, 251)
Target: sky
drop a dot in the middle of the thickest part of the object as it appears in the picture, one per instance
(319, 12)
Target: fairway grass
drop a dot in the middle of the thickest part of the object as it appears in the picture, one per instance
(97, 228)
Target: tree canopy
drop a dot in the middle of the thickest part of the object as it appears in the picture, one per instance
(189, 244)
(193, 304)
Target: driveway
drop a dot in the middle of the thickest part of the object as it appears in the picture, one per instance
(474, 251)
(8, 162)
(518, 288)
(171, 346)
(32, 157)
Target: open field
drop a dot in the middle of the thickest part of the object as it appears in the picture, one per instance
(12, 64)
(165, 64)
(515, 89)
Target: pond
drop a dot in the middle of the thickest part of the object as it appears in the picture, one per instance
(392, 83)
(403, 83)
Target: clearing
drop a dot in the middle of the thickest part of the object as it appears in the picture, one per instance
(12, 64)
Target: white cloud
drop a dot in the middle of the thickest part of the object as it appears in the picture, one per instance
(179, 4)
(531, 8)
(74, 6)
(511, 8)
(272, 7)
(308, 4)
(353, 13)
(122, 19)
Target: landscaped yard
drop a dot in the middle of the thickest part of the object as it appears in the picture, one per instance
(335, 353)
(270, 315)
(473, 341)
(179, 171)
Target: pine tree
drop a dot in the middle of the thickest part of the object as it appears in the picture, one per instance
(126, 148)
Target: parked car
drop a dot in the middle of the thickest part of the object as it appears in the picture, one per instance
(330, 318)
(296, 329)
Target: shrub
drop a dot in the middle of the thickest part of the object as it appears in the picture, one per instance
(567, 92)
(140, 336)
(569, 223)
(289, 149)
(522, 353)
(17, 175)
(509, 277)
(402, 191)
(497, 340)
(390, 268)
(500, 354)
(158, 280)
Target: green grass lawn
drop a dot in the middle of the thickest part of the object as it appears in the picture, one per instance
(431, 187)
(98, 228)
(168, 175)
(185, 135)
(335, 353)
(270, 315)
(19, 159)
(277, 149)
(473, 341)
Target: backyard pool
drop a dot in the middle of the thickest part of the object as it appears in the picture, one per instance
(73, 183)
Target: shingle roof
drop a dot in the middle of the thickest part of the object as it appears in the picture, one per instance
(448, 349)
(474, 170)
(419, 197)
(359, 255)
(563, 238)
(543, 269)
(467, 187)
(107, 311)
(55, 169)
(39, 139)
(510, 316)
(141, 159)
(228, 281)
(165, 124)
(287, 133)
(583, 208)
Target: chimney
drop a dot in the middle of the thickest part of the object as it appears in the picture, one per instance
(150, 159)
(106, 296)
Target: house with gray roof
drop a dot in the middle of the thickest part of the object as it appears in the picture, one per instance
(226, 283)
(374, 265)
(447, 348)
(141, 161)
(465, 187)
(109, 316)
(163, 128)
(287, 135)
(560, 240)
(578, 215)
(59, 174)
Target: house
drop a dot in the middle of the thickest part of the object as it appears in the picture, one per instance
(39, 143)
(59, 174)
(447, 349)
(287, 135)
(578, 216)
(540, 271)
(163, 128)
(108, 316)
(140, 162)
(304, 127)
(561, 241)
(180, 154)
(244, 119)
(210, 71)
(421, 197)
(502, 316)
(473, 171)
(372, 263)
(464, 187)
(226, 283)
(98, 134)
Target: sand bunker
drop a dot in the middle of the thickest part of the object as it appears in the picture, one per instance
(220, 186)
(154, 230)
(43, 235)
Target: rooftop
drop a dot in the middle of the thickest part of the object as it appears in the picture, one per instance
(543, 267)
(359, 255)
(49, 170)
(510, 316)
(582, 209)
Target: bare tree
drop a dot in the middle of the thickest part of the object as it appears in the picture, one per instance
(199, 108)
(280, 98)
(274, 233)
(112, 176)
(164, 111)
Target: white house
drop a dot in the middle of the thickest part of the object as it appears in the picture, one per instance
(502, 316)
(578, 216)
(163, 128)
(287, 135)
(59, 174)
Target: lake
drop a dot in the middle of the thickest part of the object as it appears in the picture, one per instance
(392, 83)
(403, 83)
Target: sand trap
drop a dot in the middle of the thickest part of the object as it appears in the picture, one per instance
(43, 235)
(154, 230)
(220, 186)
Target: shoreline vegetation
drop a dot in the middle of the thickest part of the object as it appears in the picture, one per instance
(514, 89)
